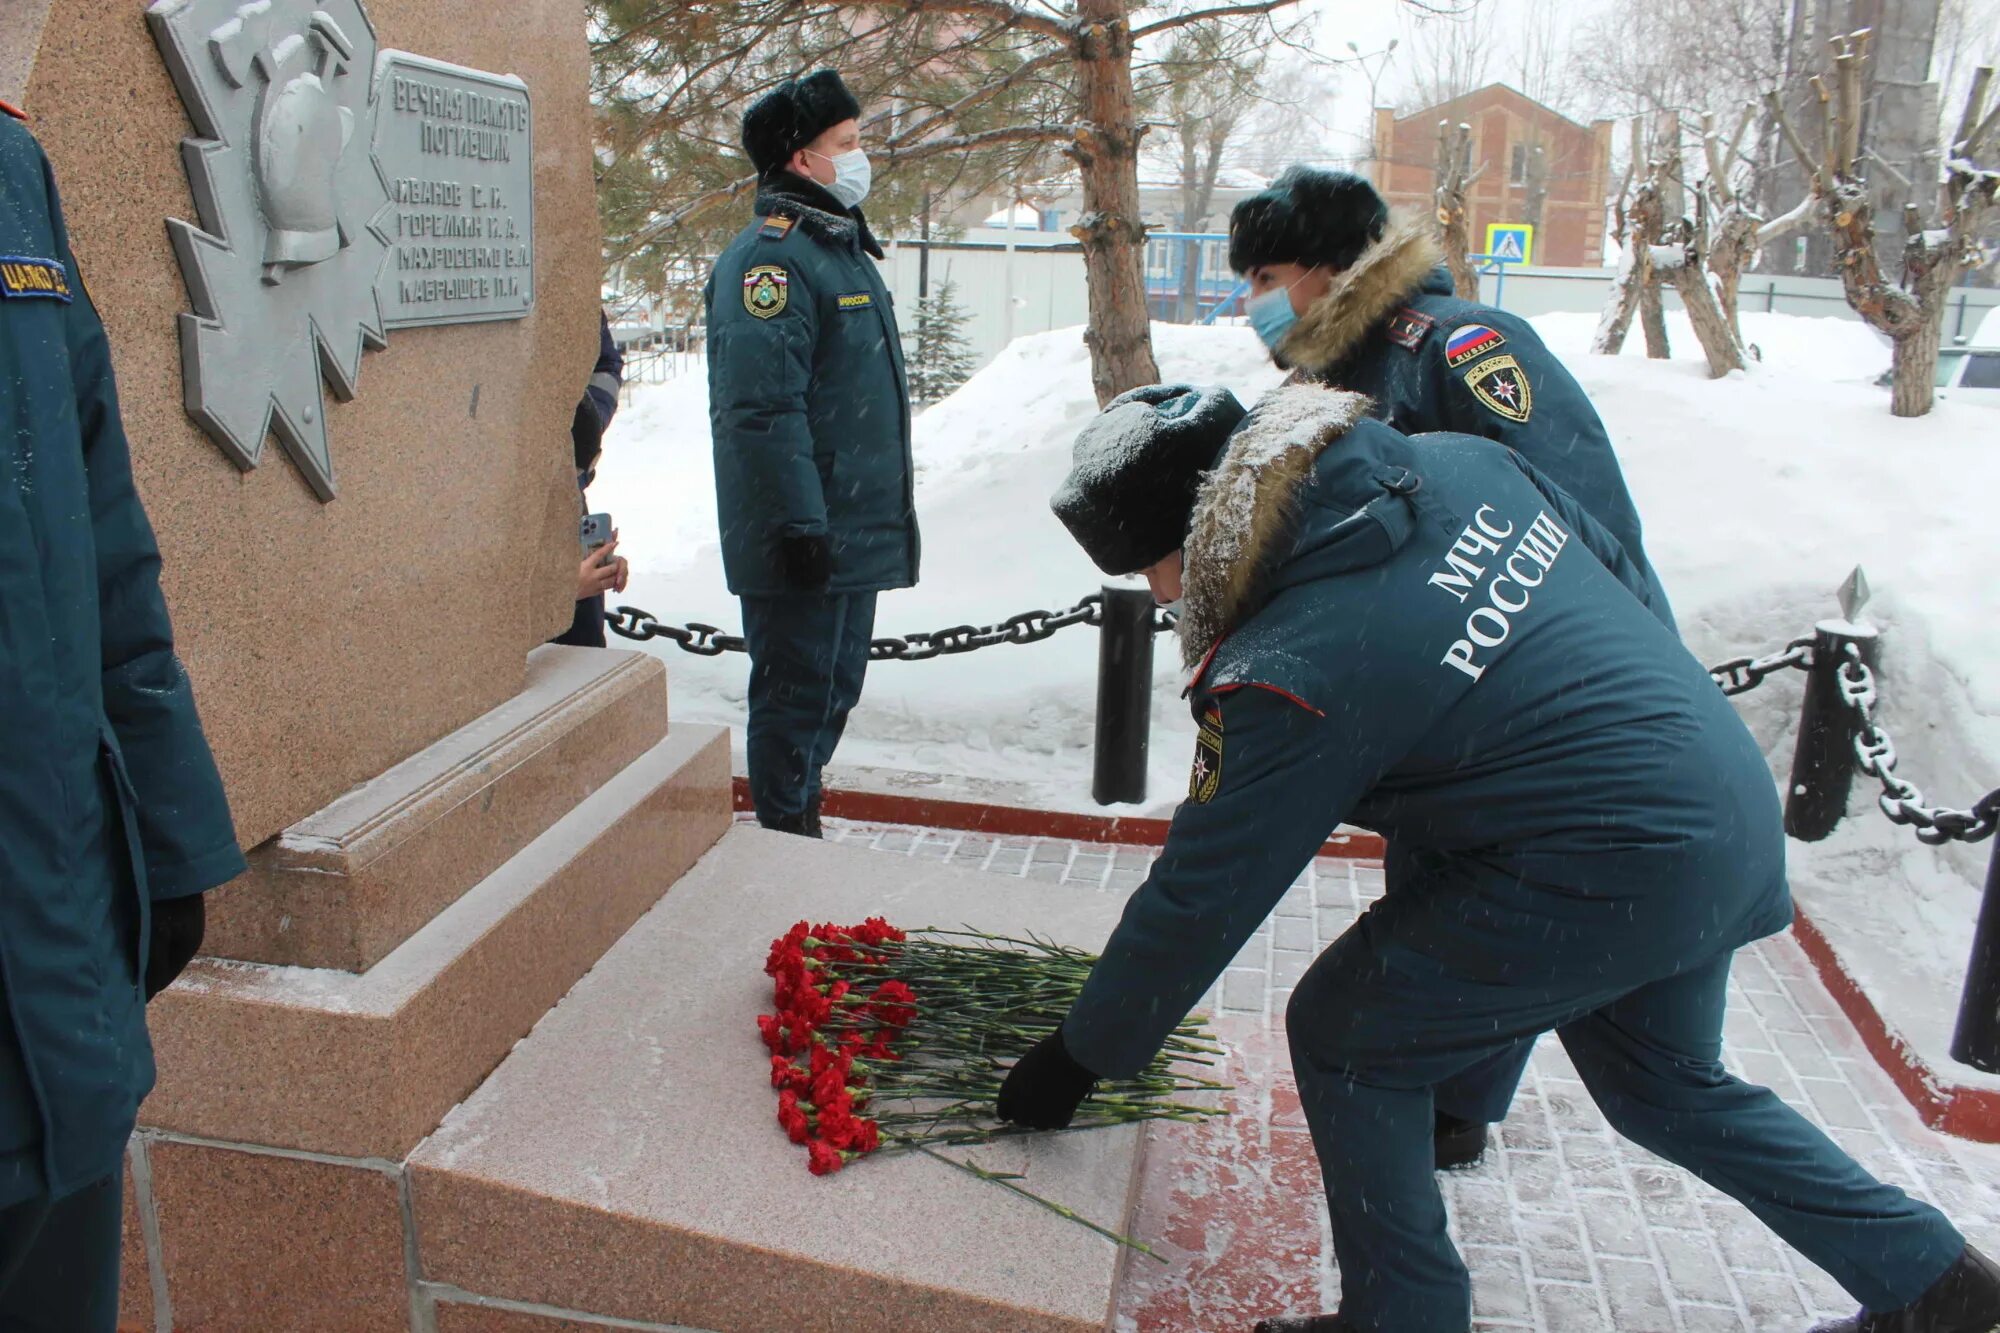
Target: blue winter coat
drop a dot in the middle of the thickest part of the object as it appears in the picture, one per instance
(109, 798)
(807, 398)
(1391, 328)
(1428, 638)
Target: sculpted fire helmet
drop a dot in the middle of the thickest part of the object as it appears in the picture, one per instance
(301, 127)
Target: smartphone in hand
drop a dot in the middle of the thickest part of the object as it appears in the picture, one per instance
(595, 531)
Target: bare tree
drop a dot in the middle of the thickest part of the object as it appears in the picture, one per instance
(1636, 215)
(1450, 54)
(1968, 37)
(1456, 176)
(1910, 311)
(1665, 245)
(1205, 89)
(1655, 56)
(1738, 233)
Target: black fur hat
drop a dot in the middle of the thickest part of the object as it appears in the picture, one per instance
(792, 115)
(1309, 216)
(1137, 469)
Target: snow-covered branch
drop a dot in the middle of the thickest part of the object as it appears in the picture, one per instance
(1797, 216)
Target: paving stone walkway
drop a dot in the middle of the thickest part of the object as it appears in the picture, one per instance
(1566, 1227)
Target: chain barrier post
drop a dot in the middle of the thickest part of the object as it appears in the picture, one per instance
(1823, 763)
(1124, 696)
(1976, 1040)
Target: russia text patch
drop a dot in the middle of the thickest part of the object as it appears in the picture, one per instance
(22, 276)
(856, 301)
(1469, 342)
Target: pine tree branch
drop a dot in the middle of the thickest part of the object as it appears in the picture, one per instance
(686, 213)
(960, 143)
(1209, 15)
(981, 96)
(1009, 15)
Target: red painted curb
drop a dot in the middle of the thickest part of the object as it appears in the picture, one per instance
(1014, 822)
(1966, 1113)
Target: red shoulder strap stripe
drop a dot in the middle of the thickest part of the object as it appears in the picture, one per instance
(8, 108)
(1286, 695)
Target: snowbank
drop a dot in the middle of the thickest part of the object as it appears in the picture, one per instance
(988, 459)
(1759, 493)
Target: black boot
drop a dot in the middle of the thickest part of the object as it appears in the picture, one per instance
(797, 825)
(1318, 1323)
(1965, 1300)
(812, 817)
(1457, 1145)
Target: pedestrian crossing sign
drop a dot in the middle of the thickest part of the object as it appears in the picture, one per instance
(1510, 242)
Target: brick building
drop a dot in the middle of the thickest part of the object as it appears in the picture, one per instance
(1541, 168)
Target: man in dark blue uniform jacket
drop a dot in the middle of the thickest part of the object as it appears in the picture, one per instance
(1346, 296)
(1428, 637)
(811, 419)
(112, 819)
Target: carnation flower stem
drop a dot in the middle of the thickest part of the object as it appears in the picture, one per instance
(1006, 1181)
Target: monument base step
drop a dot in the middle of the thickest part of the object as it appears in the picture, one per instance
(364, 1065)
(623, 1168)
(345, 886)
(625, 1162)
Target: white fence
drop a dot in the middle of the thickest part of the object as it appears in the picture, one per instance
(1035, 289)
(1004, 294)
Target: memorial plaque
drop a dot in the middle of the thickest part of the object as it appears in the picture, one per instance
(341, 194)
(456, 147)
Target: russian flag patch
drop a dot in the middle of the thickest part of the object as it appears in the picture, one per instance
(1469, 342)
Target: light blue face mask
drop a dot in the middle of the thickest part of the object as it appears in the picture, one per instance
(852, 176)
(1271, 314)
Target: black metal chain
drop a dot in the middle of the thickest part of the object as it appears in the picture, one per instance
(1902, 800)
(1874, 752)
(1028, 627)
(1741, 674)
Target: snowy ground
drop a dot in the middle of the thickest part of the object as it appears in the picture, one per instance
(1759, 494)
(988, 460)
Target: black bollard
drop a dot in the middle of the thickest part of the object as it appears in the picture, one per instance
(1976, 1040)
(1124, 696)
(1823, 763)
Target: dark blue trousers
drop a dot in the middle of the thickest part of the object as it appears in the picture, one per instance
(1377, 1027)
(808, 660)
(1482, 1092)
(59, 1261)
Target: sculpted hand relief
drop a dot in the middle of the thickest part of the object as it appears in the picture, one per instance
(1523, 569)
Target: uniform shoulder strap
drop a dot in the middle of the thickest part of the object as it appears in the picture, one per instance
(9, 109)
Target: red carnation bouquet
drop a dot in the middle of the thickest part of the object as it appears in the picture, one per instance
(886, 1041)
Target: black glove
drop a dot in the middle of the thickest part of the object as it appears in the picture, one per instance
(178, 925)
(807, 560)
(1044, 1087)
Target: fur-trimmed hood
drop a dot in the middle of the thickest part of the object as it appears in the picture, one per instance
(1387, 275)
(1244, 518)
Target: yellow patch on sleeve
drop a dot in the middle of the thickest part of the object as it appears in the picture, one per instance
(766, 291)
(1206, 778)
